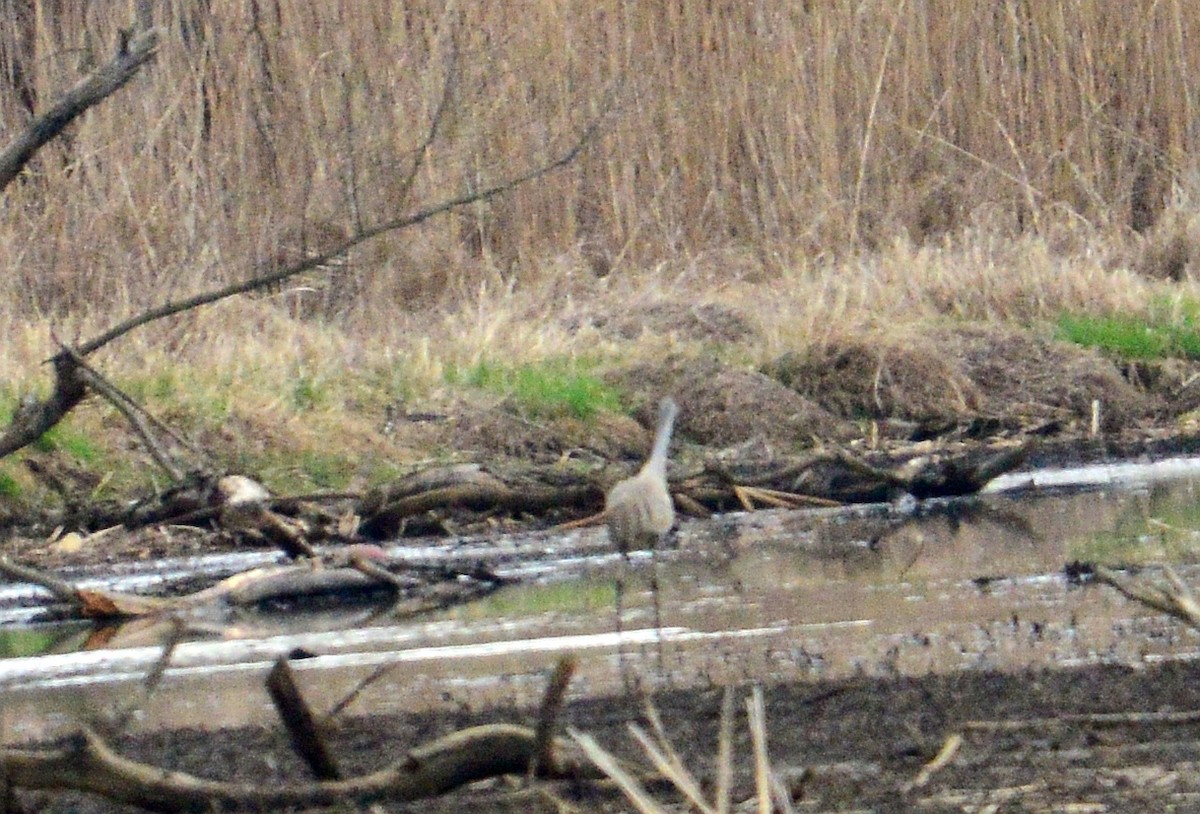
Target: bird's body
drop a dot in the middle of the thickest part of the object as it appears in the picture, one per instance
(639, 510)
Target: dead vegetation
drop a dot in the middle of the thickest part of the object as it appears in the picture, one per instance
(942, 378)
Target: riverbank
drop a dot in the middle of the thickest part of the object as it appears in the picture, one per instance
(905, 352)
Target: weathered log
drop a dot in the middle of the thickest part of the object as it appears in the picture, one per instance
(88, 764)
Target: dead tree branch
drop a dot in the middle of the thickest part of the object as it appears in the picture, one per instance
(325, 258)
(69, 389)
(131, 410)
(132, 52)
(90, 765)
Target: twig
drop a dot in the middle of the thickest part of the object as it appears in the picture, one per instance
(940, 761)
(1179, 717)
(129, 409)
(61, 589)
(607, 763)
(766, 495)
(435, 121)
(153, 678)
(740, 493)
(670, 767)
(757, 716)
(725, 753)
(1176, 600)
(297, 717)
(863, 468)
(552, 701)
(583, 522)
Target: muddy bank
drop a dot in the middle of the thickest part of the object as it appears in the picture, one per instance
(1109, 738)
(925, 394)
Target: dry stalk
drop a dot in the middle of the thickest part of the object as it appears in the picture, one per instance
(941, 760)
(725, 753)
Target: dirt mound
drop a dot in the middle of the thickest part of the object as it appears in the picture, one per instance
(880, 379)
(1021, 372)
(1015, 378)
(723, 406)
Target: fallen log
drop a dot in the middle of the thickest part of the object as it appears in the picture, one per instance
(89, 764)
(347, 572)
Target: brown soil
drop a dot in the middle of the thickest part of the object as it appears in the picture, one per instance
(851, 745)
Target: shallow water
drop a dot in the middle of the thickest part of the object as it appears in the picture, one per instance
(770, 596)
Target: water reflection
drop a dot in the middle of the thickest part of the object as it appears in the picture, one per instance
(771, 596)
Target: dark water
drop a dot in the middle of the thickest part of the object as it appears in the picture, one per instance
(770, 596)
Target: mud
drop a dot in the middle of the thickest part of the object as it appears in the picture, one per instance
(852, 745)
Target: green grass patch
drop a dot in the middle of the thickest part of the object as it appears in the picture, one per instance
(1171, 330)
(547, 389)
(309, 393)
(324, 470)
(65, 438)
(1128, 337)
(20, 643)
(9, 486)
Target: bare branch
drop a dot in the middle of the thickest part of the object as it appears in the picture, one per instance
(33, 418)
(435, 122)
(90, 765)
(132, 52)
(420, 216)
(130, 409)
(1175, 599)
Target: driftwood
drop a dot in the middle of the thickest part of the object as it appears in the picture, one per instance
(824, 478)
(89, 764)
(358, 571)
(468, 487)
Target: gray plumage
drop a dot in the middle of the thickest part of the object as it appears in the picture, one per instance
(639, 510)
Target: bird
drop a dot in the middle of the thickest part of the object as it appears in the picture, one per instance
(638, 510)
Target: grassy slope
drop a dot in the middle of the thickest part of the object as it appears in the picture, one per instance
(826, 172)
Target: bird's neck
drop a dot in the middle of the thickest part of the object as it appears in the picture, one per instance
(657, 462)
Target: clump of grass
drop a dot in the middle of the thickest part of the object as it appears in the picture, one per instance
(661, 754)
(9, 487)
(65, 438)
(309, 393)
(546, 389)
(1157, 336)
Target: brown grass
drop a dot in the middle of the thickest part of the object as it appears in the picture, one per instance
(821, 169)
(797, 127)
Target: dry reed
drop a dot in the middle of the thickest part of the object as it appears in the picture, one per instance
(824, 166)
